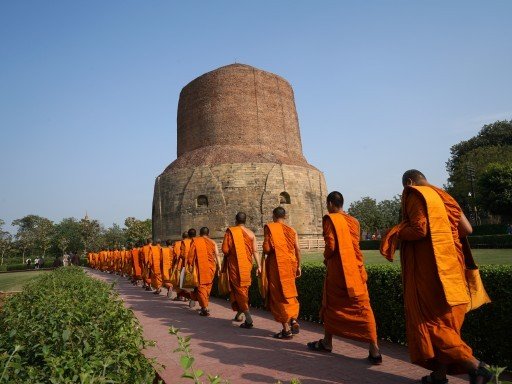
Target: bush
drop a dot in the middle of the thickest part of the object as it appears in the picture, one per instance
(369, 244)
(489, 229)
(71, 329)
(486, 330)
(491, 241)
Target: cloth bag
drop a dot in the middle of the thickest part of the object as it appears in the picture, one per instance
(189, 278)
(223, 281)
(478, 295)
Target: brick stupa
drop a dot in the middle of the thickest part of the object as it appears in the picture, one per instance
(239, 149)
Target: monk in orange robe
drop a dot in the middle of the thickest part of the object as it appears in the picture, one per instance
(186, 243)
(167, 264)
(346, 310)
(240, 249)
(136, 264)
(434, 283)
(282, 265)
(146, 265)
(178, 264)
(156, 266)
(204, 254)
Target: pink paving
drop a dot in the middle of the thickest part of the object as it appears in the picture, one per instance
(253, 356)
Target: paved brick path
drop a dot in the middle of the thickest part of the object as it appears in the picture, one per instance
(253, 356)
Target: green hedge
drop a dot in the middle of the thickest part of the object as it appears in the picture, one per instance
(489, 229)
(486, 330)
(71, 329)
(369, 244)
(491, 241)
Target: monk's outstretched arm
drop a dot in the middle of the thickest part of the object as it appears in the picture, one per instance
(329, 237)
(416, 226)
(465, 228)
(297, 254)
(267, 242)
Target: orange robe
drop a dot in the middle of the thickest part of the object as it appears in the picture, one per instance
(167, 258)
(146, 264)
(136, 268)
(435, 295)
(281, 266)
(238, 249)
(182, 259)
(346, 309)
(103, 260)
(156, 266)
(202, 254)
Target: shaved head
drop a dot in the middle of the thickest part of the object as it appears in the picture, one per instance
(204, 231)
(191, 232)
(240, 218)
(414, 176)
(336, 199)
(184, 235)
(279, 213)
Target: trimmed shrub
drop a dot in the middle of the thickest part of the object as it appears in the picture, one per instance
(486, 330)
(491, 241)
(489, 229)
(369, 244)
(65, 327)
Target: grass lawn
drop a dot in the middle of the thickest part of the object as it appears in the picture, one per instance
(482, 257)
(15, 281)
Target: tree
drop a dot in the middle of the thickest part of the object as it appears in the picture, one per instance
(389, 211)
(90, 232)
(469, 158)
(5, 241)
(496, 186)
(114, 236)
(44, 231)
(26, 234)
(367, 213)
(68, 235)
(137, 230)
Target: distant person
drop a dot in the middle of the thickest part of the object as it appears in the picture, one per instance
(57, 262)
(282, 265)
(65, 260)
(41, 262)
(75, 259)
(28, 262)
(346, 309)
(204, 254)
(240, 249)
(434, 283)
(509, 229)
(36, 263)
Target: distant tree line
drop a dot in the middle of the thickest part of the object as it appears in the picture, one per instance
(38, 236)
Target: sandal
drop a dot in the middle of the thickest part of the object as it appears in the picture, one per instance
(238, 319)
(283, 335)
(204, 312)
(246, 325)
(432, 380)
(294, 326)
(375, 360)
(483, 372)
(318, 346)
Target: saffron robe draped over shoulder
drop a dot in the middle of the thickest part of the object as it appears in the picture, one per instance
(281, 267)
(156, 266)
(146, 264)
(435, 294)
(202, 254)
(346, 309)
(137, 264)
(238, 250)
(167, 258)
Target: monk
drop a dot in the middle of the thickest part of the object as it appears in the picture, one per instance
(156, 266)
(282, 265)
(146, 265)
(178, 263)
(204, 254)
(434, 283)
(136, 264)
(186, 243)
(240, 249)
(346, 310)
(167, 264)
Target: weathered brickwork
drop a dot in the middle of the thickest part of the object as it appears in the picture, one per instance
(239, 149)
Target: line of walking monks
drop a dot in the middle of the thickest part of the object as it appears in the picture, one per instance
(432, 259)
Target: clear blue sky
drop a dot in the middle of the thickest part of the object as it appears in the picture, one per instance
(89, 90)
